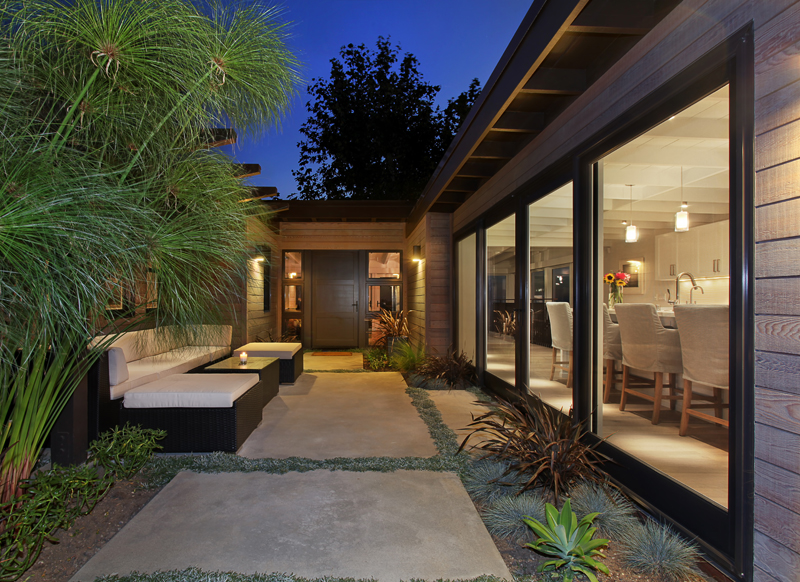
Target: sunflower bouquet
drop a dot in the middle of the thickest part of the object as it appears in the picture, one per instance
(616, 282)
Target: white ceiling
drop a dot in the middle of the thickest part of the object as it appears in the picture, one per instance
(692, 144)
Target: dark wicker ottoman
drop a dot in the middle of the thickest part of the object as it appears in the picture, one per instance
(290, 355)
(200, 429)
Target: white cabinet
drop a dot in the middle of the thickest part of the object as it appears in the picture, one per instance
(666, 256)
(703, 251)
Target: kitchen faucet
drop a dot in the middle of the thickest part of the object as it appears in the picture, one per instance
(692, 290)
(678, 288)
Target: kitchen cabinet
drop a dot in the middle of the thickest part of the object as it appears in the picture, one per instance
(703, 251)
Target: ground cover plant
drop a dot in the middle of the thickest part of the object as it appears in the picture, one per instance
(55, 498)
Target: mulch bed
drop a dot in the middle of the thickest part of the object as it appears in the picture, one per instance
(60, 561)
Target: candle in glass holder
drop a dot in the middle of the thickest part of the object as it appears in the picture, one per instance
(243, 358)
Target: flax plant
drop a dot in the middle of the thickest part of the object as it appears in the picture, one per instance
(104, 177)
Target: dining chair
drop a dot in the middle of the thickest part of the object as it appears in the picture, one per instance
(704, 343)
(560, 314)
(647, 345)
(612, 351)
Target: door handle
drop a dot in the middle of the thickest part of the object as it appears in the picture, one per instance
(356, 306)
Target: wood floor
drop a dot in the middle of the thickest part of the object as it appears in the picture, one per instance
(698, 460)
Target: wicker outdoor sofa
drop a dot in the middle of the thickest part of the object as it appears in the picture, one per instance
(140, 357)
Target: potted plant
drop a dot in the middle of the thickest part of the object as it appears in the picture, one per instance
(394, 325)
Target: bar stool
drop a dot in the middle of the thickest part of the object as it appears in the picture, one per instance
(647, 345)
(560, 314)
(704, 343)
(612, 351)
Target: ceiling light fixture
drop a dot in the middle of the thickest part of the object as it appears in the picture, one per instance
(631, 232)
(682, 216)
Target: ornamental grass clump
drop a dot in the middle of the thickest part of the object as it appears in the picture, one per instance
(504, 517)
(541, 445)
(616, 516)
(655, 549)
(454, 369)
(487, 480)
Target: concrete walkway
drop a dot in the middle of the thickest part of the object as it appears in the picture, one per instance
(386, 526)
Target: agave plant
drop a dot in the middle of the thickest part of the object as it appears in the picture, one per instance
(105, 109)
(538, 442)
(569, 541)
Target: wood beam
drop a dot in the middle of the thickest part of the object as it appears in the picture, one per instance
(463, 185)
(551, 81)
(480, 168)
(489, 149)
(247, 170)
(220, 136)
(612, 30)
(520, 121)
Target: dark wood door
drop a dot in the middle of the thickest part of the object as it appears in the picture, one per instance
(335, 281)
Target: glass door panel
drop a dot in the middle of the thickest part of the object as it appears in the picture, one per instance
(664, 280)
(501, 316)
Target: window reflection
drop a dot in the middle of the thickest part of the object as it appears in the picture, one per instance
(384, 265)
(384, 297)
(501, 323)
(293, 265)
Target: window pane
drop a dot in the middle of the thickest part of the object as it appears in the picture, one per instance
(384, 265)
(293, 265)
(550, 248)
(465, 288)
(292, 330)
(384, 297)
(292, 297)
(678, 166)
(500, 300)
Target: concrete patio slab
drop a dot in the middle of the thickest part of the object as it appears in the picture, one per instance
(387, 526)
(328, 415)
(355, 361)
(457, 408)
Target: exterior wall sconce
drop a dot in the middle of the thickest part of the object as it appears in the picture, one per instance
(416, 254)
(258, 259)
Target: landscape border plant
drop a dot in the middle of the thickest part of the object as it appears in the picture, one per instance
(655, 549)
(123, 451)
(538, 442)
(454, 368)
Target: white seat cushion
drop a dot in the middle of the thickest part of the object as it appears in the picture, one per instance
(191, 391)
(284, 351)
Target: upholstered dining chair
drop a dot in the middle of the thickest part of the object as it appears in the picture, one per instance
(612, 351)
(560, 314)
(704, 344)
(647, 345)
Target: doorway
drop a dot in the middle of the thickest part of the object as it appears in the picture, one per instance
(335, 299)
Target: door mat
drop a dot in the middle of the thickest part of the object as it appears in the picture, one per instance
(332, 354)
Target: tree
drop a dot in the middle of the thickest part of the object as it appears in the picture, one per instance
(105, 108)
(374, 131)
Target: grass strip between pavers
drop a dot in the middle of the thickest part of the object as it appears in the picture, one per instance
(196, 575)
(160, 470)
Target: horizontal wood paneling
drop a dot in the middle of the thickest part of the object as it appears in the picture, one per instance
(760, 575)
(780, 220)
(778, 409)
(778, 296)
(778, 447)
(778, 485)
(778, 371)
(438, 275)
(778, 522)
(776, 333)
(778, 258)
(343, 235)
(776, 559)
(777, 183)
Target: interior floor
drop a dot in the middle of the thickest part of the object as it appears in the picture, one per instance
(698, 460)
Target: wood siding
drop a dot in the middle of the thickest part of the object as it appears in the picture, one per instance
(688, 32)
(438, 282)
(415, 285)
(343, 236)
(263, 324)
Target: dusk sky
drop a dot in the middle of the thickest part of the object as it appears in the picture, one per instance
(454, 41)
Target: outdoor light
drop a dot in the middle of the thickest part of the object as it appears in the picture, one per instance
(258, 259)
(416, 254)
(243, 358)
(631, 232)
(292, 275)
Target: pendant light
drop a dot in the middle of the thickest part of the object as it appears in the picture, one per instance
(631, 232)
(682, 216)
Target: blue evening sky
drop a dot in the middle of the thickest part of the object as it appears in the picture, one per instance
(454, 41)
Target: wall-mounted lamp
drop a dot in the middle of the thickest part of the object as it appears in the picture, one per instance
(258, 259)
(416, 254)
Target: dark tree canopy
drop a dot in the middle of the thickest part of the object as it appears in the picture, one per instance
(373, 131)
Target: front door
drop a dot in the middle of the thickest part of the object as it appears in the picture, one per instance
(335, 299)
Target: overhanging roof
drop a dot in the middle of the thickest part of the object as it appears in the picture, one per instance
(340, 210)
(559, 50)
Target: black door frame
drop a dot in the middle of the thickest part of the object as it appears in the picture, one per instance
(726, 536)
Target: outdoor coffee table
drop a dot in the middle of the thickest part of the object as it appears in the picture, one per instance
(268, 370)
